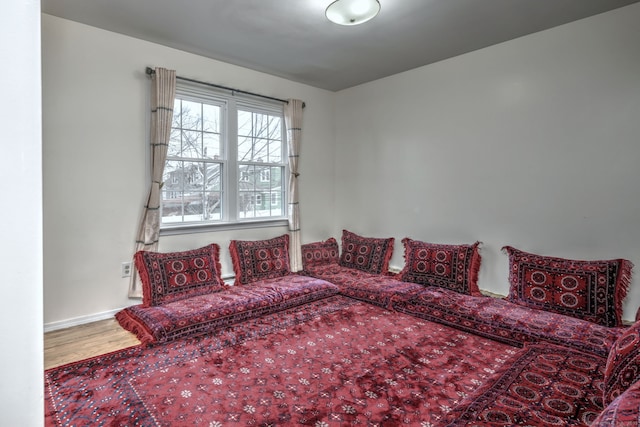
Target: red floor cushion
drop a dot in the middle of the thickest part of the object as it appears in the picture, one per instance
(205, 313)
(623, 364)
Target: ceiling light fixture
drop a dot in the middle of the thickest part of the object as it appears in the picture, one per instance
(352, 12)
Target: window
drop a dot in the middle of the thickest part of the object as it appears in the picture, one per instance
(225, 161)
(275, 199)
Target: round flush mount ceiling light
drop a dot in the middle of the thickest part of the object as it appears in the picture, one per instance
(352, 12)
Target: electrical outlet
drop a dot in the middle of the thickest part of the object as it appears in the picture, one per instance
(126, 269)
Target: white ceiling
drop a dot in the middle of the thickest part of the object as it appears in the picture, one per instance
(293, 39)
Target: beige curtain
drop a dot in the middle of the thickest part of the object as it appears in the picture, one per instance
(293, 121)
(163, 91)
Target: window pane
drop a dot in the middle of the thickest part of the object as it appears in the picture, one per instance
(172, 176)
(261, 191)
(213, 207)
(282, 211)
(191, 176)
(212, 177)
(260, 150)
(276, 178)
(265, 176)
(177, 113)
(244, 123)
(277, 205)
(261, 125)
(211, 143)
(244, 149)
(246, 206)
(275, 151)
(255, 134)
(211, 118)
(191, 144)
(246, 191)
(175, 143)
(261, 187)
(193, 179)
(191, 115)
(245, 177)
(193, 207)
(171, 206)
(275, 128)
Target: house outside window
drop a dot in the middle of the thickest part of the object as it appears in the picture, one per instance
(226, 160)
(275, 199)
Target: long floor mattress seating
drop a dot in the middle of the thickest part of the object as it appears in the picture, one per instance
(358, 345)
(184, 294)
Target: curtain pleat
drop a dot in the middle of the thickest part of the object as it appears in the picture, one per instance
(163, 91)
(293, 122)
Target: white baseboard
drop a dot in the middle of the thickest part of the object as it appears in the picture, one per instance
(395, 269)
(76, 321)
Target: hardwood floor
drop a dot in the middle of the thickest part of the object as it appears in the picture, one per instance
(84, 341)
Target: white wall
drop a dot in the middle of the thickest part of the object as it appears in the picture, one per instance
(21, 388)
(95, 96)
(532, 143)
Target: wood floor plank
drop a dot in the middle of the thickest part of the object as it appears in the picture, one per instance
(84, 341)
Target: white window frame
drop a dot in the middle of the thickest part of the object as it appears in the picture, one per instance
(230, 104)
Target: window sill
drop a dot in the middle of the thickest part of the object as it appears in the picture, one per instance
(173, 230)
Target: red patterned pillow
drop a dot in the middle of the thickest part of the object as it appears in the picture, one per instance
(623, 364)
(319, 253)
(368, 254)
(453, 267)
(168, 277)
(588, 290)
(255, 260)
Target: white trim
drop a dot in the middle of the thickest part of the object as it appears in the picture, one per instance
(395, 269)
(219, 226)
(76, 321)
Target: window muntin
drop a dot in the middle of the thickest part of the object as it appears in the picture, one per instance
(225, 161)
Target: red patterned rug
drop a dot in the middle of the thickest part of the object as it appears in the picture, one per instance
(333, 362)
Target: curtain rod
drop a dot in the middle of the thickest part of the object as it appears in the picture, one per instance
(151, 71)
